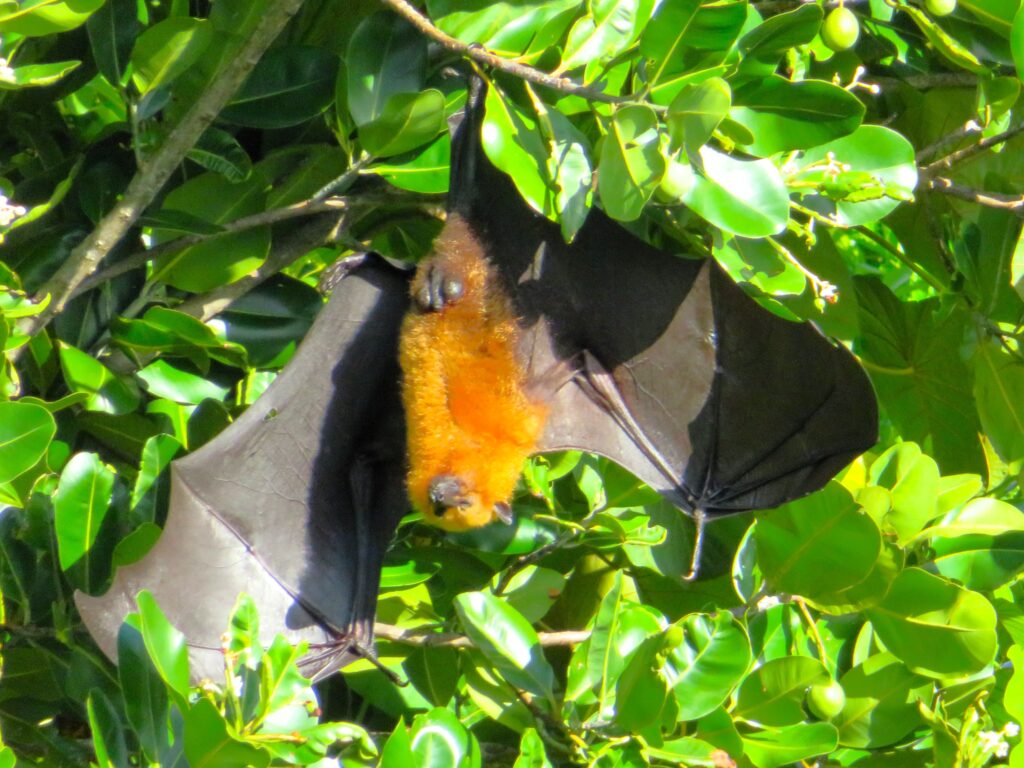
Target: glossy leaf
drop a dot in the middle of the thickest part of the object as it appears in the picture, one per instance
(708, 664)
(106, 391)
(784, 115)
(165, 645)
(775, 747)
(80, 505)
(816, 545)
(773, 694)
(507, 640)
(25, 434)
(208, 743)
(165, 380)
(166, 50)
(882, 698)
(631, 165)
(145, 697)
(385, 57)
(913, 482)
(935, 627)
(290, 85)
(408, 121)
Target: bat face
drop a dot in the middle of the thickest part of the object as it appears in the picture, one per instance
(472, 422)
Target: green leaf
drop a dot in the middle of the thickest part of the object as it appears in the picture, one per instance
(143, 693)
(507, 640)
(708, 664)
(882, 698)
(769, 41)
(46, 18)
(531, 751)
(913, 480)
(607, 30)
(107, 392)
(439, 740)
(1013, 699)
(157, 454)
(980, 562)
(999, 391)
(784, 115)
(532, 591)
(165, 380)
(912, 352)
(423, 170)
(641, 692)
(25, 434)
(631, 165)
(935, 627)
(225, 258)
(36, 75)
(107, 732)
(386, 56)
(696, 112)
(290, 85)
(209, 744)
(773, 694)
(167, 50)
(220, 152)
(136, 545)
(112, 32)
(760, 264)
(984, 516)
(951, 48)
(747, 198)
(80, 504)
(820, 544)
(165, 645)
(508, 29)
(408, 121)
(774, 747)
(880, 152)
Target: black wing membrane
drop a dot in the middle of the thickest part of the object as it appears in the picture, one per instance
(684, 379)
(295, 502)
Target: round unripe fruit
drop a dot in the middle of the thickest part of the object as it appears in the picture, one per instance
(674, 637)
(826, 701)
(940, 7)
(841, 29)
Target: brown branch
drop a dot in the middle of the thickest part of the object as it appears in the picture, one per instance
(294, 246)
(947, 141)
(960, 155)
(85, 259)
(1014, 203)
(453, 640)
(478, 53)
(140, 258)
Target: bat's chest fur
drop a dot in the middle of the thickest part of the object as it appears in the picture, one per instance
(464, 389)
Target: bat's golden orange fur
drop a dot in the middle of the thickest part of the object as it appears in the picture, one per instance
(467, 409)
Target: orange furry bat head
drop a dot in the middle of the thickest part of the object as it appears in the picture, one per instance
(471, 421)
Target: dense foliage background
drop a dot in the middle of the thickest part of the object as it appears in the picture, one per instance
(164, 231)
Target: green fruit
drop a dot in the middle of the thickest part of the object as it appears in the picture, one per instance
(826, 701)
(940, 7)
(841, 29)
(676, 182)
(674, 637)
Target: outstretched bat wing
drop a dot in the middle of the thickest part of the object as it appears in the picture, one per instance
(681, 377)
(295, 502)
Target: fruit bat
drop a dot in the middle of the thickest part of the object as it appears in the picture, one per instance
(513, 342)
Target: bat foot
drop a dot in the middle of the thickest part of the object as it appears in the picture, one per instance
(437, 289)
(322, 658)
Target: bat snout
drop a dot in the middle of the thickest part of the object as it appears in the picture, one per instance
(437, 289)
(446, 492)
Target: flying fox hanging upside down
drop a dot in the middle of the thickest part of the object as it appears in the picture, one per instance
(515, 342)
(471, 416)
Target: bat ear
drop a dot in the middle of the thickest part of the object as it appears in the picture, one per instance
(466, 146)
(504, 512)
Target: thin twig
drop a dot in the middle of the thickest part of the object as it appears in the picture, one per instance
(480, 54)
(812, 627)
(947, 141)
(295, 246)
(134, 261)
(1014, 203)
(85, 259)
(311, 207)
(960, 155)
(453, 640)
(929, 278)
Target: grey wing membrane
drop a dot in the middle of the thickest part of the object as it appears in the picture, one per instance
(295, 502)
(680, 377)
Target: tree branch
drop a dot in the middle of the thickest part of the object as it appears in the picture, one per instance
(478, 53)
(297, 244)
(1014, 203)
(149, 180)
(453, 640)
(944, 163)
(947, 141)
